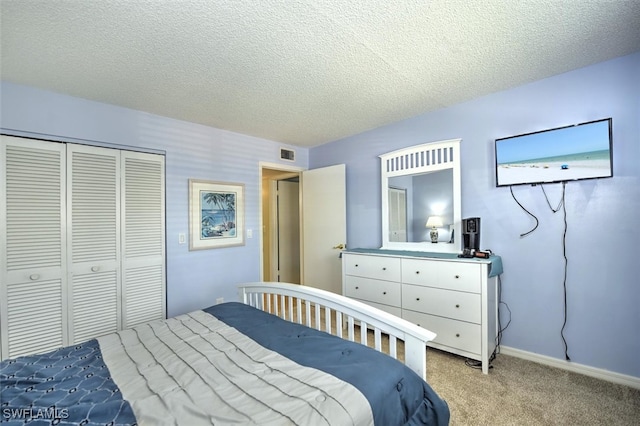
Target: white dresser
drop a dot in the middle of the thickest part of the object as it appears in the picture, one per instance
(455, 298)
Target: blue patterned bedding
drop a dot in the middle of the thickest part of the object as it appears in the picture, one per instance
(73, 385)
(68, 386)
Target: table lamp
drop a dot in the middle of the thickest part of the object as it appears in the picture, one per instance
(434, 222)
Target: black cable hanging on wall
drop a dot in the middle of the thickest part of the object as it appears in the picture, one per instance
(566, 265)
(562, 205)
(527, 211)
(566, 261)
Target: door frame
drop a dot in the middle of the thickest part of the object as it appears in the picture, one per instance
(266, 227)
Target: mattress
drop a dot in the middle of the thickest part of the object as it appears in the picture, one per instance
(227, 364)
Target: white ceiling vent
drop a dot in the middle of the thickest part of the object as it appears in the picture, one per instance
(287, 154)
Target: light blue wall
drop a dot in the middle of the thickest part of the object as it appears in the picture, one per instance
(603, 236)
(194, 278)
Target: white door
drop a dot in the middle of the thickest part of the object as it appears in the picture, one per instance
(143, 238)
(33, 264)
(93, 226)
(288, 220)
(324, 226)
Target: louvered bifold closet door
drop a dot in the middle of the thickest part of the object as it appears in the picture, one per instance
(32, 243)
(93, 211)
(143, 253)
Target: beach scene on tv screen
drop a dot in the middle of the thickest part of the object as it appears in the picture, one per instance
(579, 152)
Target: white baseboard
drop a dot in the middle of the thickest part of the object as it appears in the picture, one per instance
(598, 373)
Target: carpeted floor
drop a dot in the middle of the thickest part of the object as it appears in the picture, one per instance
(521, 392)
(524, 393)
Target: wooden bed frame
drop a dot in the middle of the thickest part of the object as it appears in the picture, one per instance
(288, 300)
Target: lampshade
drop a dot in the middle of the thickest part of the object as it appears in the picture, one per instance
(434, 222)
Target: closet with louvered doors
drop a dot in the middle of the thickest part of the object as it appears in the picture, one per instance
(75, 250)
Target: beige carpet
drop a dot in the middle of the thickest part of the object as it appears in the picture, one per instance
(520, 392)
(523, 393)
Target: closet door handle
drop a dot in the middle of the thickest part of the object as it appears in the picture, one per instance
(34, 277)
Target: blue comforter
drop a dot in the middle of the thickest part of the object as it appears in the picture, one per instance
(73, 386)
(397, 395)
(69, 386)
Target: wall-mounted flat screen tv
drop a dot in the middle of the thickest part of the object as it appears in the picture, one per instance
(581, 151)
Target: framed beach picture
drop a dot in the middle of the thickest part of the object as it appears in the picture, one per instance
(216, 214)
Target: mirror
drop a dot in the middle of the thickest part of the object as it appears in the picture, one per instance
(415, 198)
(419, 183)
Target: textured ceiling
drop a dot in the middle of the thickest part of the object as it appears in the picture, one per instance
(303, 72)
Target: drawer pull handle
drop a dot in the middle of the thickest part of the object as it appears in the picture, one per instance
(417, 298)
(384, 292)
(457, 276)
(384, 269)
(417, 272)
(356, 265)
(457, 306)
(95, 268)
(457, 334)
(34, 277)
(357, 287)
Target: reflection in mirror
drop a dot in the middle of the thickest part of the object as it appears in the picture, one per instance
(415, 198)
(418, 183)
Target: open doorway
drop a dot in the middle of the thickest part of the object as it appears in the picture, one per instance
(281, 237)
(302, 238)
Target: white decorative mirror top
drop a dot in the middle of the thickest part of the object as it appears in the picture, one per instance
(421, 184)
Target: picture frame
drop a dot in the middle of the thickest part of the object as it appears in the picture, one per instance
(216, 214)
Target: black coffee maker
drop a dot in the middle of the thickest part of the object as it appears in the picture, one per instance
(470, 236)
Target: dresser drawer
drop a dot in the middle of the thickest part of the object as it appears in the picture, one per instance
(455, 334)
(384, 292)
(420, 272)
(377, 267)
(448, 275)
(445, 303)
(459, 276)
